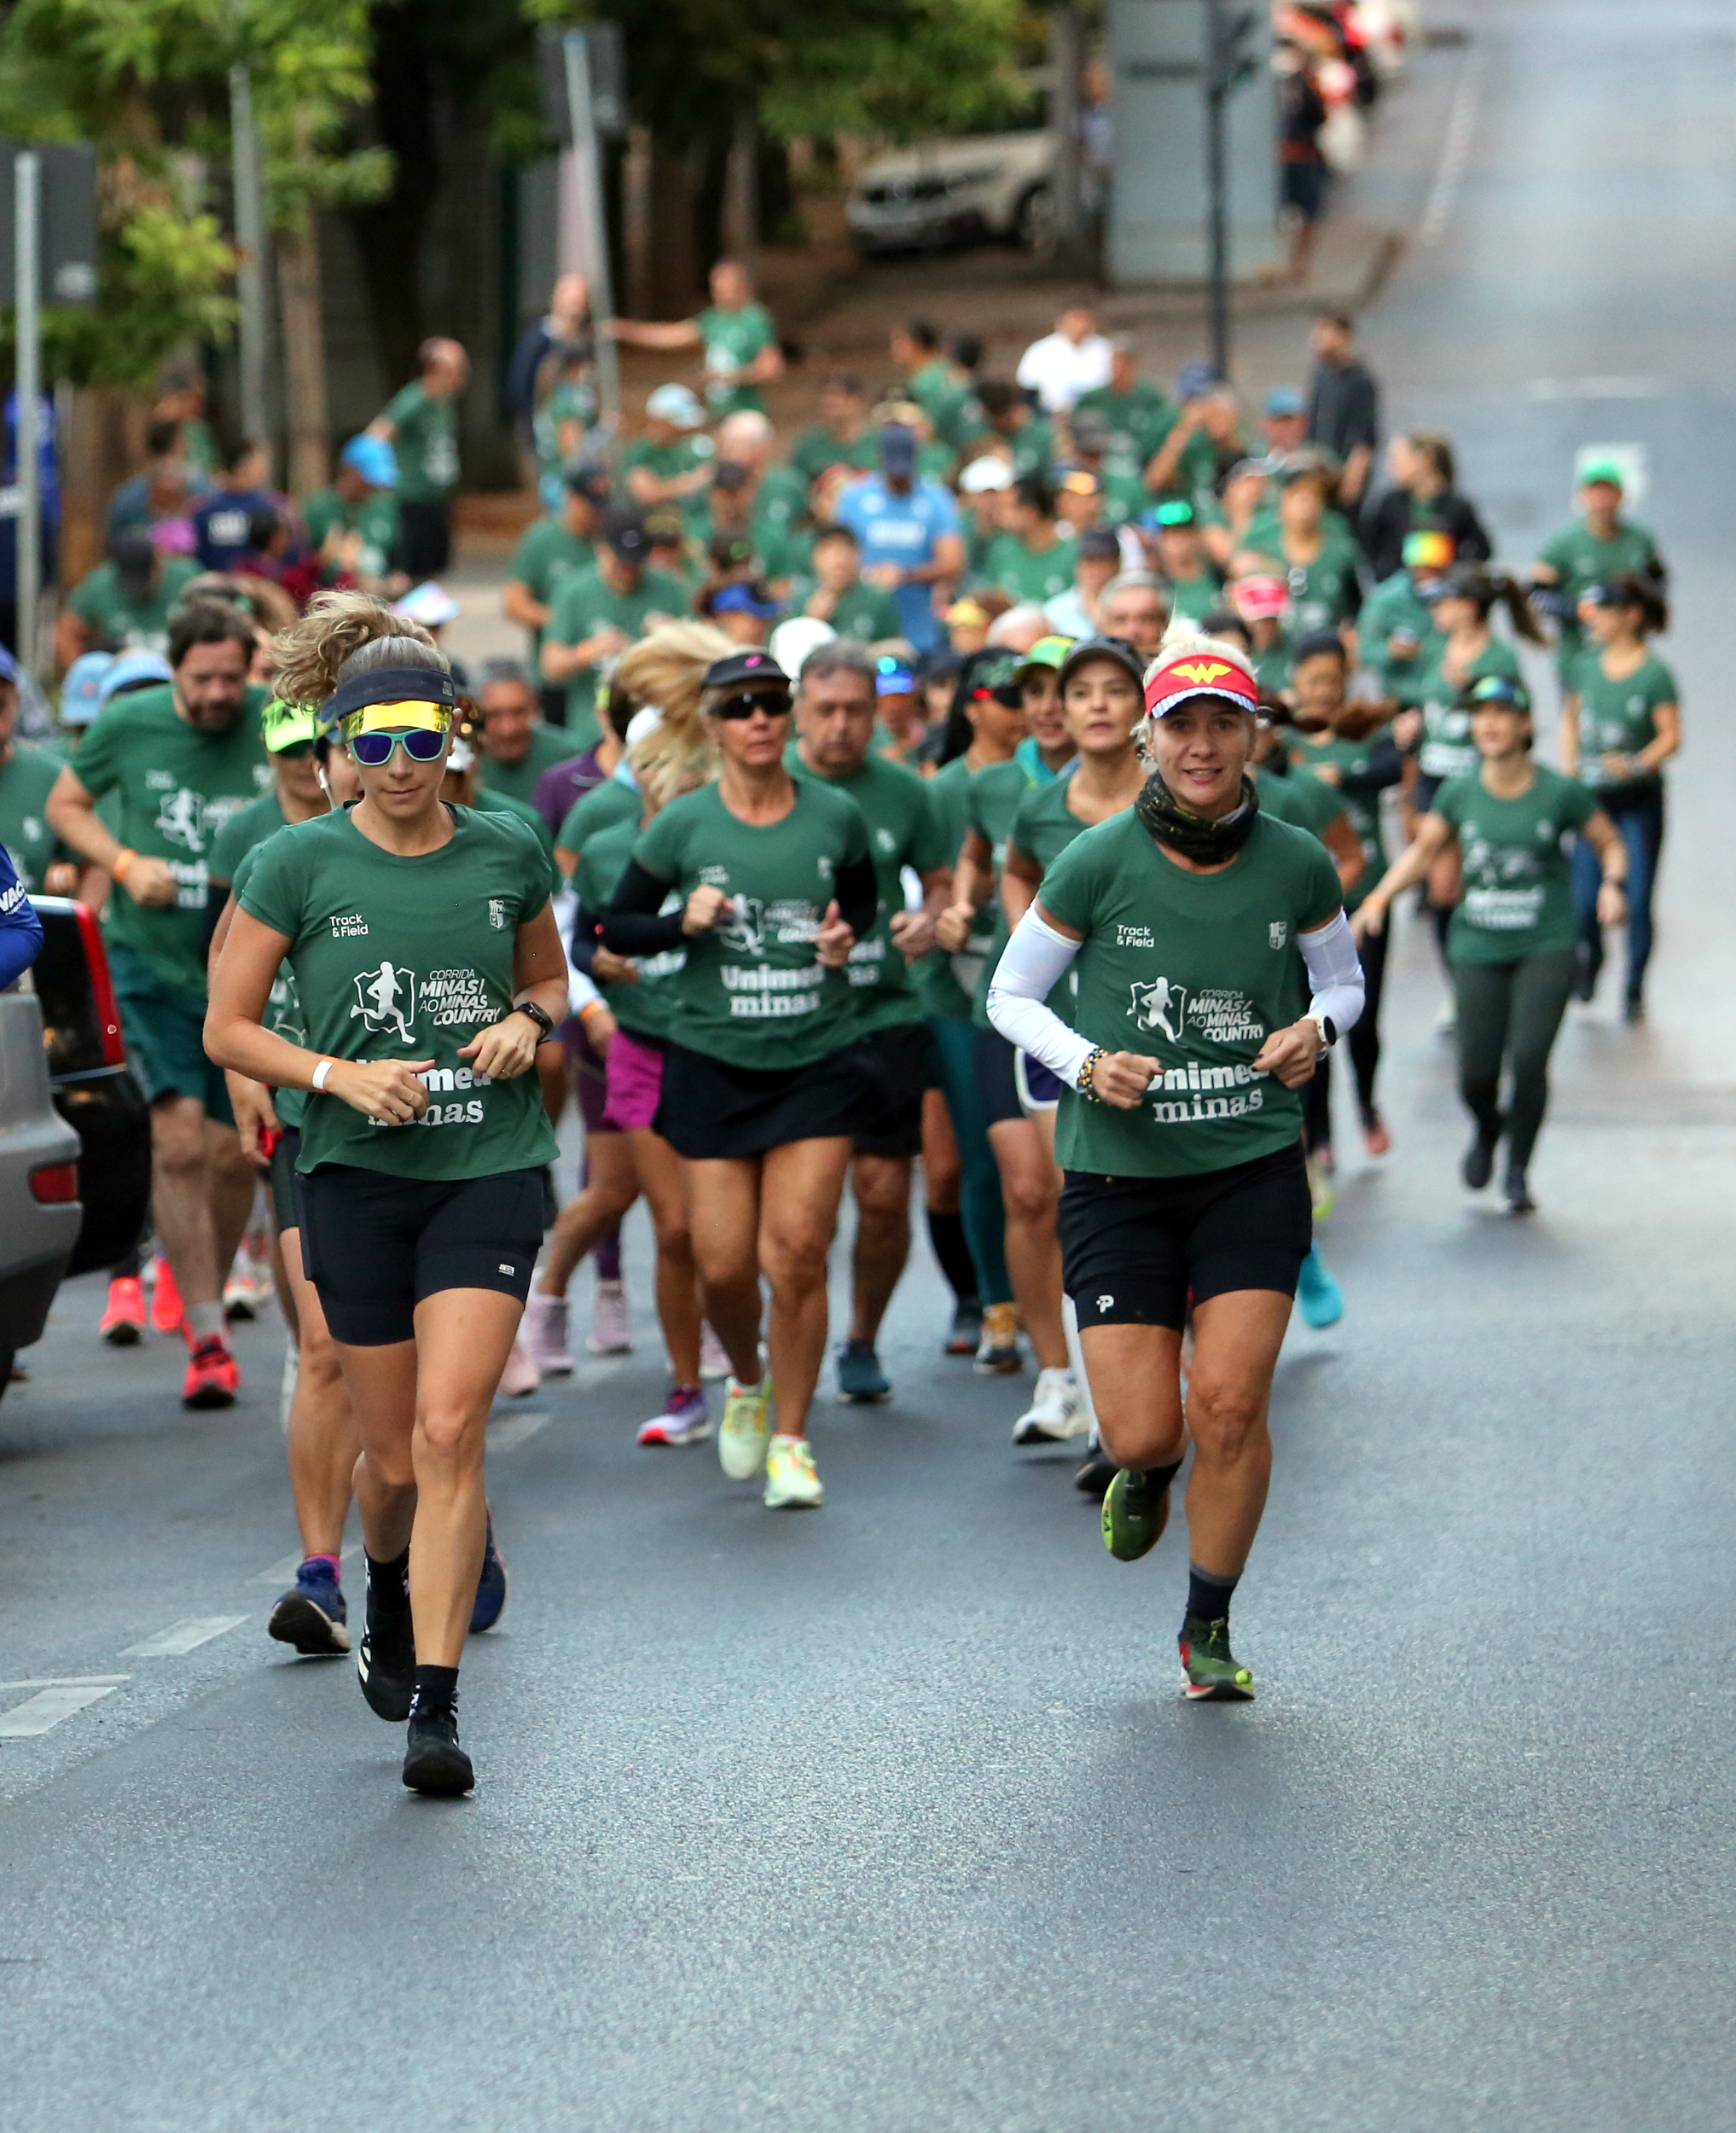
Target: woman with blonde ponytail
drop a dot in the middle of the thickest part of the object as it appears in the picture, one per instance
(424, 948)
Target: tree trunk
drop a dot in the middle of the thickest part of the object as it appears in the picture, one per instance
(303, 358)
(637, 222)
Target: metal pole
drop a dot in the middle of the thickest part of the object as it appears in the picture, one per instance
(1217, 92)
(1065, 46)
(27, 234)
(588, 161)
(250, 243)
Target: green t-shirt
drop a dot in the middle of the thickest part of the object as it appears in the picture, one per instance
(1616, 717)
(903, 832)
(261, 818)
(993, 798)
(612, 801)
(1196, 970)
(1580, 561)
(373, 517)
(128, 626)
(944, 998)
(752, 992)
(283, 1016)
(1192, 599)
(1298, 796)
(1394, 604)
(494, 802)
(1138, 420)
(668, 463)
(26, 782)
(426, 441)
(1043, 828)
(546, 554)
(946, 399)
(864, 611)
(549, 745)
(178, 788)
(1029, 573)
(1516, 891)
(1446, 749)
(817, 449)
(732, 339)
(1271, 664)
(1323, 593)
(1361, 810)
(409, 959)
(643, 1009)
(581, 604)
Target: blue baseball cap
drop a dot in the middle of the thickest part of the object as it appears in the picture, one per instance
(131, 670)
(1194, 379)
(373, 459)
(1284, 399)
(8, 665)
(893, 677)
(81, 692)
(742, 599)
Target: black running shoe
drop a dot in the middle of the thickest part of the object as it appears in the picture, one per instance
(434, 1762)
(1094, 1477)
(1519, 1196)
(386, 1658)
(491, 1586)
(1479, 1166)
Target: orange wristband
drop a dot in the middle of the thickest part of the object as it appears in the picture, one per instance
(123, 859)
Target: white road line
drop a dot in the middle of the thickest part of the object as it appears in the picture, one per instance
(1594, 388)
(513, 1430)
(181, 1637)
(283, 1573)
(65, 1680)
(1456, 152)
(46, 1709)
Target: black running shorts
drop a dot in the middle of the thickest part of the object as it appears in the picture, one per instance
(283, 1156)
(903, 1066)
(1136, 1251)
(374, 1245)
(710, 1110)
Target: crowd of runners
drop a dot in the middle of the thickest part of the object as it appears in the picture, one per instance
(1002, 791)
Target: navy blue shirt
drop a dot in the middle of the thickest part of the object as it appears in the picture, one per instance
(220, 526)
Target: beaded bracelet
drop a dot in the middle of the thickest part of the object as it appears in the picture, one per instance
(1088, 1075)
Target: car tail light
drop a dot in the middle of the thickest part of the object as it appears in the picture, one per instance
(101, 988)
(56, 1184)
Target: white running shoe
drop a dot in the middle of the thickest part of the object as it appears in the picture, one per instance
(714, 1359)
(747, 1426)
(521, 1375)
(610, 1333)
(791, 1483)
(683, 1420)
(1056, 1411)
(545, 1334)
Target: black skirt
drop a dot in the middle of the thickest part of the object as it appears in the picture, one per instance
(710, 1109)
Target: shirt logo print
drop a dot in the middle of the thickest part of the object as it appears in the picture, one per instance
(1161, 1007)
(1278, 932)
(497, 913)
(386, 997)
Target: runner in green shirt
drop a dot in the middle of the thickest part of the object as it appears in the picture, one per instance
(514, 748)
(1621, 722)
(1031, 561)
(768, 1087)
(182, 759)
(430, 969)
(1313, 550)
(842, 436)
(1189, 1034)
(1511, 949)
(1599, 545)
(1139, 415)
(595, 615)
(836, 594)
(421, 423)
(27, 776)
(125, 603)
(606, 805)
(561, 544)
(672, 463)
(354, 524)
(1195, 587)
(1395, 623)
(1463, 650)
(741, 344)
(835, 719)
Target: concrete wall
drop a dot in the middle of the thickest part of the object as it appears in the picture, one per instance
(1157, 217)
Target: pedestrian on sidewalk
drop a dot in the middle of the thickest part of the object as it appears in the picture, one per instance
(1344, 404)
(421, 423)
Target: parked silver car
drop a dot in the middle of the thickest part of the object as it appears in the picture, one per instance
(993, 186)
(40, 1212)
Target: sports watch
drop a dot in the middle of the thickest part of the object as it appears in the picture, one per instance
(543, 1021)
(1329, 1029)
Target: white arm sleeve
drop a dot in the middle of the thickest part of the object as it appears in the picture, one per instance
(1033, 964)
(1334, 972)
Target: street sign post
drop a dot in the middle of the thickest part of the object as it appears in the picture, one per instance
(1228, 63)
(577, 48)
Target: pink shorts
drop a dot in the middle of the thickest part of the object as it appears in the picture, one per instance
(635, 1084)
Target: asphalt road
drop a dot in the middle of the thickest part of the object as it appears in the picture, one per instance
(888, 1820)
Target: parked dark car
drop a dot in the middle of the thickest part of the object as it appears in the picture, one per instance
(94, 1088)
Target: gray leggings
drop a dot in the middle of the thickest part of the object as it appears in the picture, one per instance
(1509, 1012)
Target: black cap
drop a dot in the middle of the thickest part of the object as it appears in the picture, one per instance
(1099, 544)
(730, 474)
(664, 522)
(1090, 428)
(624, 533)
(741, 670)
(1116, 648)
(589, 481)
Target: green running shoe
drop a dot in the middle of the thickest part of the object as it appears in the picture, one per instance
(1136, 1511)
(1213, 1676)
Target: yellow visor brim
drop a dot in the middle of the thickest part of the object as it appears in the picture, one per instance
(397, 718)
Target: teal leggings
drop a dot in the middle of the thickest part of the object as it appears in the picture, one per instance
(979, 1197)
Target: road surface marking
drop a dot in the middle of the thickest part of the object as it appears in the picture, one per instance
(513, 1430)
(45, 1710)
(65, 1680)
(1456, 152)
(283, 1573)
(181, 1637)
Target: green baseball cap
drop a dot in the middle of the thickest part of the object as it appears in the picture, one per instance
(283, 725)
(1602, 470)
(1047, 652)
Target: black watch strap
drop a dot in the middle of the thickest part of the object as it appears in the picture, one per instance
(537, 1015)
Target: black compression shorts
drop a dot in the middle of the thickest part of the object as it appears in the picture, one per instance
(903, 1066)
(1135, 1250)
(374, 1245)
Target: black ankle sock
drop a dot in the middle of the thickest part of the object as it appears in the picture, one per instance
(1209, 1595)
(436, 1692)
(388, 1584)
(946, 1233)
(1158, 1478)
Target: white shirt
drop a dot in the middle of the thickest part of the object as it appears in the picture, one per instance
(1058, 370)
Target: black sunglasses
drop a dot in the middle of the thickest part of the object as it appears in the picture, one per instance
(774, 703)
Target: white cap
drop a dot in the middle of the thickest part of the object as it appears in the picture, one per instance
(429, 604)
(676, 404)
(792, 641)
(984, 474)
(647, 719)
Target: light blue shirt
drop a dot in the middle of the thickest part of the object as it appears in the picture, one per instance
(902, 530)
